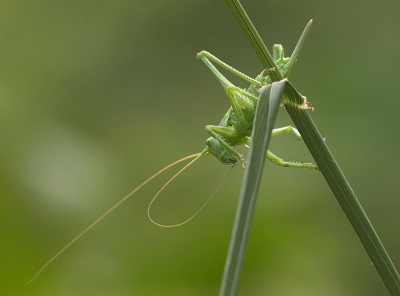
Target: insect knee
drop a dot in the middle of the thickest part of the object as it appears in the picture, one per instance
(209, 129)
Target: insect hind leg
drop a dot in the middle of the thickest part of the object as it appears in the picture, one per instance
(207, 58)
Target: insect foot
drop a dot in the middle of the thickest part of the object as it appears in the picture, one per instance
(306, 105)
(265, 75)
(267, 70)
(201, 54)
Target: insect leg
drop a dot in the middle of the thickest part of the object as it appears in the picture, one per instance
(206, 57)
(234, 94)
(276, 132)
(243, 92)
(238, 103)
(279, 161)
(287, 129)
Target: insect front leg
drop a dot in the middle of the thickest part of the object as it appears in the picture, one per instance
(225, 152)
(238, 103)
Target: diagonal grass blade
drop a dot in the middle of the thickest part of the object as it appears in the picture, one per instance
(325, 161)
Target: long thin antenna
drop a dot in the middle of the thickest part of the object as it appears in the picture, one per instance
(176, 225)
(197, 155)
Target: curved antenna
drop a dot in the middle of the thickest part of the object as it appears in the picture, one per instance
(180, 224)
(197, 155)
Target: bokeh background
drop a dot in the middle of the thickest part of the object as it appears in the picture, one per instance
(96, 96)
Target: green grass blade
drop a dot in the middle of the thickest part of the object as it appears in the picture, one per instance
(267, 110)
(254, 38)
(299, 46)
(347, 199)
(326, 162)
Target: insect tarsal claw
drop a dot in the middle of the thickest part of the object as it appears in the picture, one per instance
(267, 70)
(306, 105)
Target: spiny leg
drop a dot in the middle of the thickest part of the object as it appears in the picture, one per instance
(229, 88)
(240, 99)
(205, 57)
(208, 58)
(236, 95)
(279, 161)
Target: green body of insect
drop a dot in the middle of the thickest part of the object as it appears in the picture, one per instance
(236, 126)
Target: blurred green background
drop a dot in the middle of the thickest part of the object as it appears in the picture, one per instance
(96, 96)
